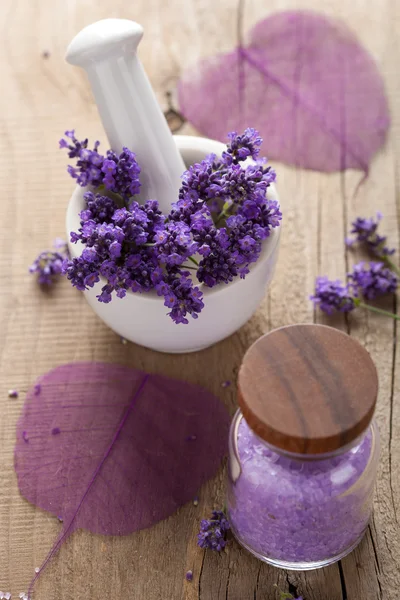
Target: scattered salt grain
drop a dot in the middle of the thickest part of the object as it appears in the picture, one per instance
(124, 341)
(37, 570)
(196, 501)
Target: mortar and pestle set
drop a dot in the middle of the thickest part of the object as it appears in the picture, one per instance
(132, 118)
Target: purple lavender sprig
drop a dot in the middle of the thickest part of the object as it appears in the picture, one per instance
(332, 296)
(215, 229)
(225, 205)
(212, 534)
(135, 249)
(48, 265)
(242, 146)
(372, 280)
(367, 280)
(117, 173)
(365, 232)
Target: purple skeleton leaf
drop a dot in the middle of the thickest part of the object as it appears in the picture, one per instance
(108, 448)
(304, 82)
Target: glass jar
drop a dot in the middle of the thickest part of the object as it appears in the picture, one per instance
(300, 490)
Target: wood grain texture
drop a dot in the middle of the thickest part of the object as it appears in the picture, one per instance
(307, 388)
(40, 98)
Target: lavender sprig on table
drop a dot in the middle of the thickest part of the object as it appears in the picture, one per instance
(332, 296)
(366, 281)
(49, 263)
(212, 534)
(367, 236)
(372, 280)
(213, 233)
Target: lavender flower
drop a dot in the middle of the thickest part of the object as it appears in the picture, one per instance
(371, 280)
(222, 215)
(127, 252)
(118, 173)
(227, 252)
(225, 180)
(121, 173)
(242, 146)
(366, 281)
(182, 297)
(365, 231)
(89, 163)
(332, 296)
(213, 531)
(81, 274)
(99, 209)
(199, 183)
(49, 264)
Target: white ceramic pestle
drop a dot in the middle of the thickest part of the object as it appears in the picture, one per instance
(127, 104)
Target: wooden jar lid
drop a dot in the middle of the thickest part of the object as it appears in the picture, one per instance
(308, 389)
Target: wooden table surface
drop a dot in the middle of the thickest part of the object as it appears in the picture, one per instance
(40, 98)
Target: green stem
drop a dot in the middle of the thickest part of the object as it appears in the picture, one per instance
(223, 213)
(380, 311)
(187, 267)
(194, 261)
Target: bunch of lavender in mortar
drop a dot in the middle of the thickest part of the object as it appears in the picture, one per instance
(213, 233)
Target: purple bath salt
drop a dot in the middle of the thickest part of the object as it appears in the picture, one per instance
(304, 448)
(301, 511)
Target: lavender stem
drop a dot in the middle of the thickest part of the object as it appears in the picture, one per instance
(380, 311)
(194, 261)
